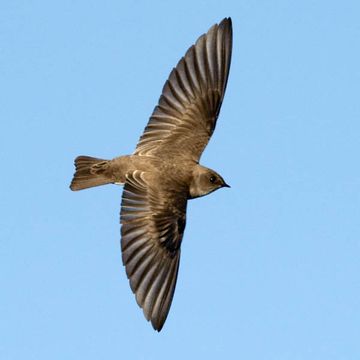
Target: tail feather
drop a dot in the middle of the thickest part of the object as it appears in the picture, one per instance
(89, 172)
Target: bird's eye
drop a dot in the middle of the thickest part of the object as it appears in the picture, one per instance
(212, 179)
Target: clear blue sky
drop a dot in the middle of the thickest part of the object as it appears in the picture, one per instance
(270, 268)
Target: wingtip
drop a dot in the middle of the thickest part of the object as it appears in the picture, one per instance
(157, 327)
(226, 21)
(226, 27)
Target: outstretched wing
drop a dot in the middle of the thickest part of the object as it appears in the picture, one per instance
(153, 224)
(185, 117)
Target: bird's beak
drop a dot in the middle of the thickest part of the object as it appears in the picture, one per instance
(226, 185)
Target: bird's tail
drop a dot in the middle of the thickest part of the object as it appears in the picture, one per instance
(90, 172)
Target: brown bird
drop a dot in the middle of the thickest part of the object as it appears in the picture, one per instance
(164, 172)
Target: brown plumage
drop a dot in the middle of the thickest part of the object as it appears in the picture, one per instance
(164, 171)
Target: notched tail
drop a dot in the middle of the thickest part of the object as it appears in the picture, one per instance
(90, 172)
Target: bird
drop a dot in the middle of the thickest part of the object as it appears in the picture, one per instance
(163, 172)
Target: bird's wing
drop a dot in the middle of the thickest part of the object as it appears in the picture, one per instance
(185, 117)
(152, 228)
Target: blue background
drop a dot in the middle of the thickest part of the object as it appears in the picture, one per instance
(270, 268)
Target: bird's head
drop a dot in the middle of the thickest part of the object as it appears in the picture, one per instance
(204, 181)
